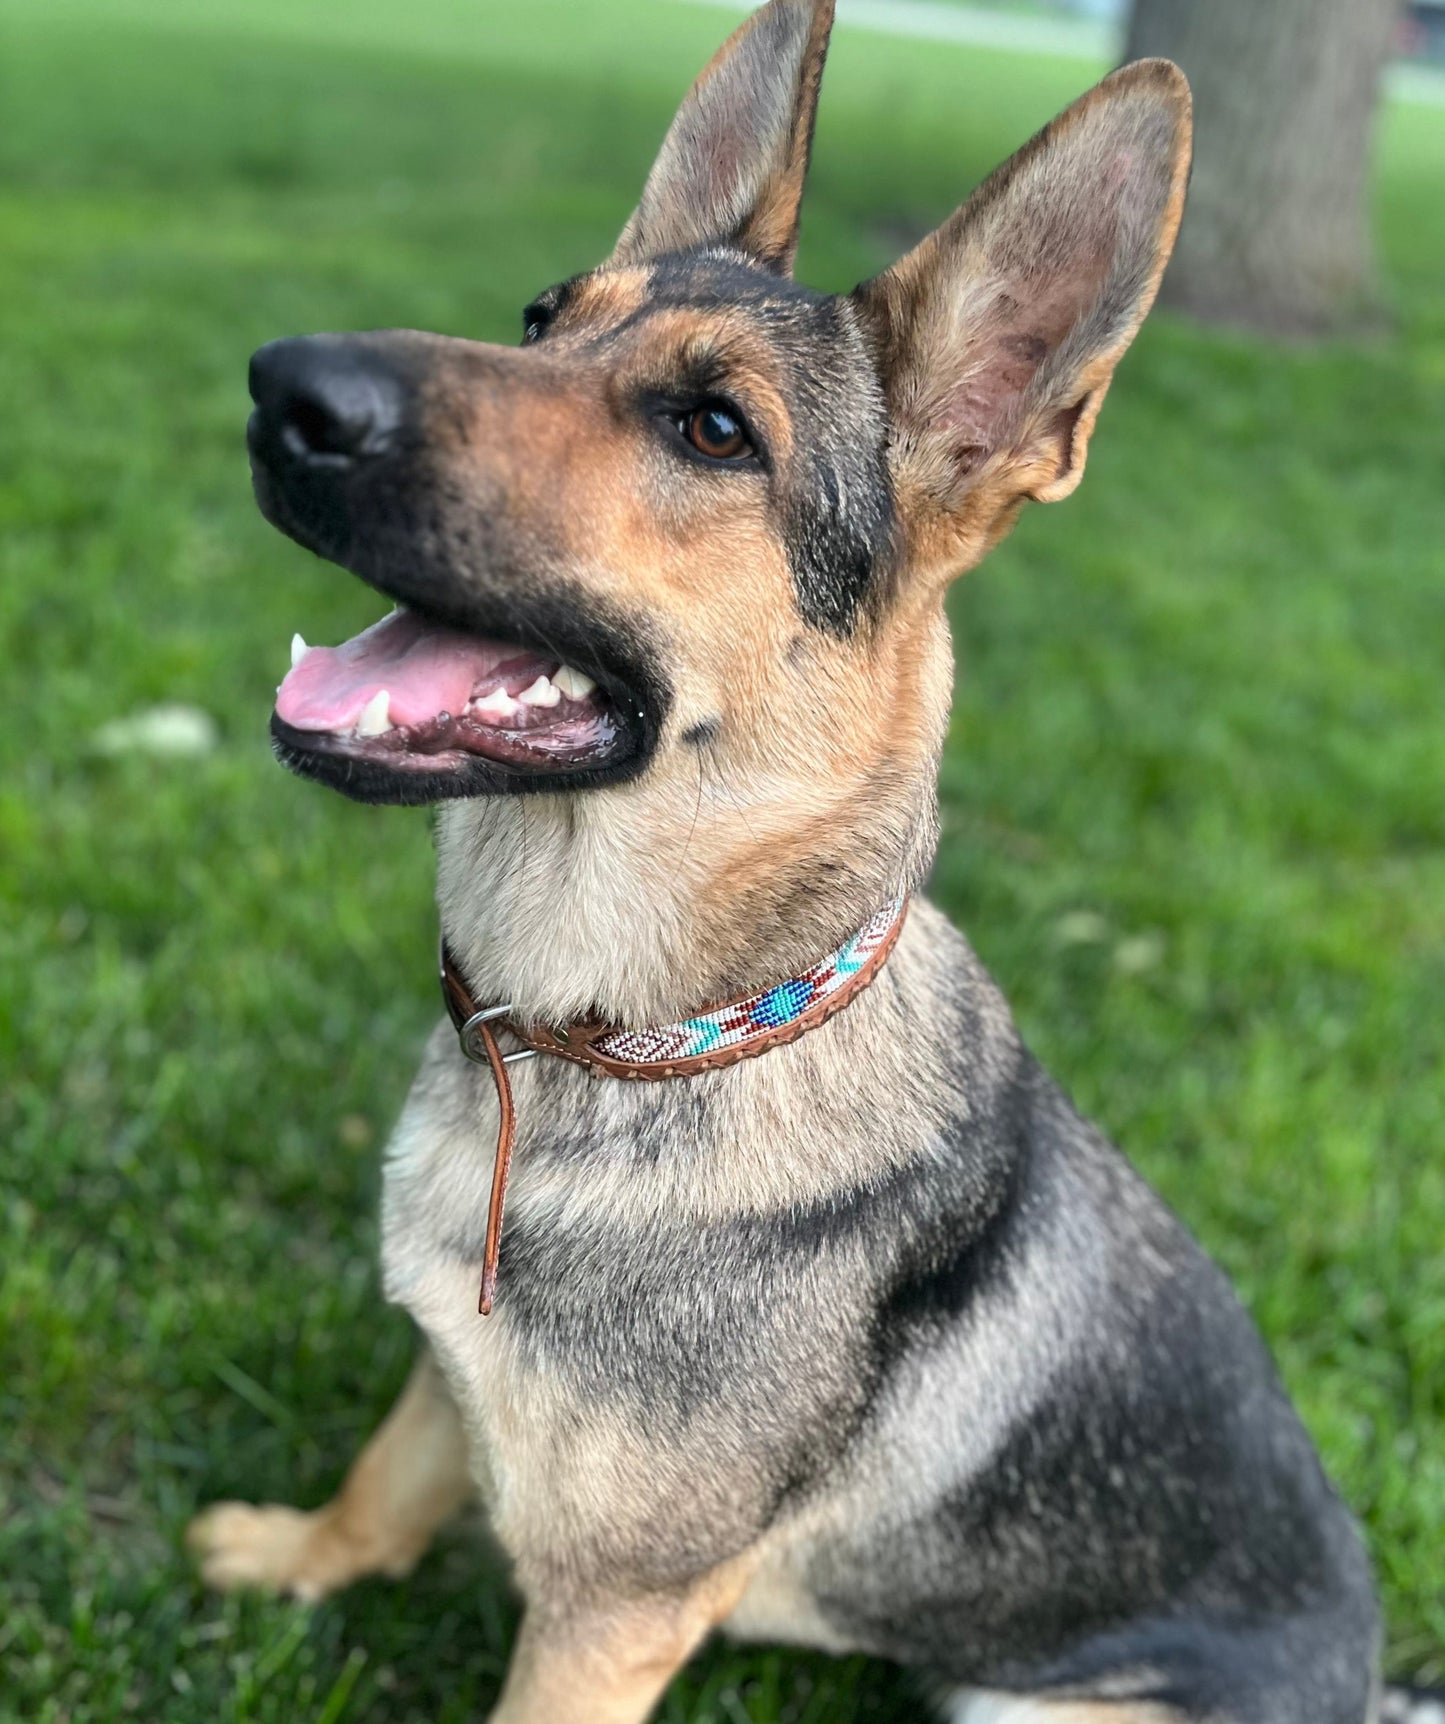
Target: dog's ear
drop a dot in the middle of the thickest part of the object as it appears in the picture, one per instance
(997, 336)
(731, 169)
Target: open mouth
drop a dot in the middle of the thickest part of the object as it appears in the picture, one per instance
(415, 710)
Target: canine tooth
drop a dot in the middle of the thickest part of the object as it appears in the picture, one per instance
(573, 684)
(542, 693)
(375, 715)
(299, 650)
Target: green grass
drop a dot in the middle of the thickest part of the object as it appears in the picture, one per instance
(1193, 794)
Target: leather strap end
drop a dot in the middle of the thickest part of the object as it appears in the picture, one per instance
(506, 1135)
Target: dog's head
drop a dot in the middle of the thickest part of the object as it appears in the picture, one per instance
(703, 511)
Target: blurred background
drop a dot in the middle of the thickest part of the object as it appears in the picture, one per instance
(1194, 792)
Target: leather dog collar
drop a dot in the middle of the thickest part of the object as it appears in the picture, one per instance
(718, 1036)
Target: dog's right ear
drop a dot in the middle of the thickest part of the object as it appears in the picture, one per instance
(731, 169)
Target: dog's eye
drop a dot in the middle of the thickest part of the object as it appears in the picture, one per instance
(716, 431)
(534, 321)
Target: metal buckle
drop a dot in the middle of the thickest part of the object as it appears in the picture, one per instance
(472, 1044)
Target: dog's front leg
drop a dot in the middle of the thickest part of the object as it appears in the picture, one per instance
(608, 1663)
(409, 1479)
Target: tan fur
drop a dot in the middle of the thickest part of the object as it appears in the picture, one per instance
(409, 1479)
(606, 298)
(610, 1667)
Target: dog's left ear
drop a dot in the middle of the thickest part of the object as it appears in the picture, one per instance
(996, 338)
(731, 169)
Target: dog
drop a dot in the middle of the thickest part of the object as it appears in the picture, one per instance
(869, 1343)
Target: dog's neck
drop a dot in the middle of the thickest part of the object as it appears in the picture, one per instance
(623, 905)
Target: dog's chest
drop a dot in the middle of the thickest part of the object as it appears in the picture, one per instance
(593, 1396)
(647, 1380)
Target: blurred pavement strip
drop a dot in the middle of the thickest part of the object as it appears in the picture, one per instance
(978, 26)
(1082, 38)
(1416, 84)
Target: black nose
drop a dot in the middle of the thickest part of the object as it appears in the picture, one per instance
(324, 401)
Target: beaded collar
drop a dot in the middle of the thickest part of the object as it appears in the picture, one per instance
(717, 1036)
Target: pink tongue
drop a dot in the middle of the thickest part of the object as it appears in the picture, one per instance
(426, 670)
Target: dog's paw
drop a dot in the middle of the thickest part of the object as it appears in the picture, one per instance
(271, 1548)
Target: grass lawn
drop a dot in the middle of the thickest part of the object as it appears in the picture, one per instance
(1195, 800)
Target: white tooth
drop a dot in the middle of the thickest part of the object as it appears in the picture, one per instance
(494, 707)
(573, 684)
(541, 693)
(299, 650)
(375, 715)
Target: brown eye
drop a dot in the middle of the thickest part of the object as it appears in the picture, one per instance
(717, 432)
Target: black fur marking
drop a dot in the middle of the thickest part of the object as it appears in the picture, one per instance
(704, 733)
(1152, 1508)
(944, 1274)
(720, 279)
(838, 536)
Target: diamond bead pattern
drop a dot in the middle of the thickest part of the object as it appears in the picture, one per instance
(760, 1014)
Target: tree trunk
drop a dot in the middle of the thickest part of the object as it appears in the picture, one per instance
(1276, 233)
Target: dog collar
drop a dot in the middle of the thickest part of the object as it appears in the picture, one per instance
(718, 1036)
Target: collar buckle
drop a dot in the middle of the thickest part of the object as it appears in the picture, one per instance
(468, 1034)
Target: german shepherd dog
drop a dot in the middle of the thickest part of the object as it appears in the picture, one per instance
(871, 1343)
